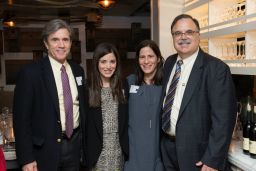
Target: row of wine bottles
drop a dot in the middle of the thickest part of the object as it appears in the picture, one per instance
(249, 130)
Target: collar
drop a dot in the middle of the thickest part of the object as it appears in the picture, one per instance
(56, 65)
(189, 59)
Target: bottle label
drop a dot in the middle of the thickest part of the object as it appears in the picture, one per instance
(252, 147)
(246, 144)
(249, 107)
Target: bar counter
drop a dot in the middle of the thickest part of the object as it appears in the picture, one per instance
(238, 159)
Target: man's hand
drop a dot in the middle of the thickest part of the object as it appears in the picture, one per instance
(205, 167)
(30, 167)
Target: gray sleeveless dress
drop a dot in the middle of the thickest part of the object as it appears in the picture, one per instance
(144, 127)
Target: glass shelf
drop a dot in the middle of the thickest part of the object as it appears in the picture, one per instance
(229, 31)
(230, 27)
(242, 66)
(192, 4)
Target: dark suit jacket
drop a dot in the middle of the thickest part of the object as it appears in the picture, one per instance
(36, 115)
(207, 113)
(94, 132)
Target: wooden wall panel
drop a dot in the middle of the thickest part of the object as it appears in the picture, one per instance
(1, 43)
(23, 39)
(12, 67)
(125, 40)
(76, 51)
(26, 39)
(30, 39)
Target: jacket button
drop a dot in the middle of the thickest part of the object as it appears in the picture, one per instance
(58, 140)
(58, 122)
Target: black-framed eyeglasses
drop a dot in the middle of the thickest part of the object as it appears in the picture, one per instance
(178, 34)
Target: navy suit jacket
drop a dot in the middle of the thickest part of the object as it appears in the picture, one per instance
(207, 113)
(36, 114)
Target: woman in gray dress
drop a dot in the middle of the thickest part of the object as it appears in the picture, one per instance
(106, 132)
(144, 105)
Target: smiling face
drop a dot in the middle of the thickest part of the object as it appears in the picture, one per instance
(148, 62)
(58, 45)
(187, 42)
(107, 66)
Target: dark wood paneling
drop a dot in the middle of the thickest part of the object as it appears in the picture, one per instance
(11, 69)
(38, 54)
(1, 43)
(22, 39)
(11, 40)
(26, 39)
(125, 40)
(76, 51)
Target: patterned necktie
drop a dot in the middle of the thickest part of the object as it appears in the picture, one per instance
(170, 97)
(68, 102)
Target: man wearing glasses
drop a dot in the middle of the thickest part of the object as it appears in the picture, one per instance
(199, 104)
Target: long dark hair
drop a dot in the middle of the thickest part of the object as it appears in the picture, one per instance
(95, 82)
(157, 79)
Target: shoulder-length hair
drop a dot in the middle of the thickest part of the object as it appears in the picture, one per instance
(95, 82)
(157, 79)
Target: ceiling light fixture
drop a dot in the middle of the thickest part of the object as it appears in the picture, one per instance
(106, 4)
(10, 23)
(10, 2)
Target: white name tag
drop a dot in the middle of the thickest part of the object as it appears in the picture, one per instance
(79, 80)
(134, 89)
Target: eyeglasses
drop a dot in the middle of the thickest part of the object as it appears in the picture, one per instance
(178, 34)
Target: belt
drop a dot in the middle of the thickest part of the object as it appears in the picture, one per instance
(64, 136)
(172, 138)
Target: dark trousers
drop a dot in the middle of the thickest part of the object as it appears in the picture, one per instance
(70, 152)
(169, 155)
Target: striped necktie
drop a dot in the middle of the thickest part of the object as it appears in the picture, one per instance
(68, 102)
(170, 97)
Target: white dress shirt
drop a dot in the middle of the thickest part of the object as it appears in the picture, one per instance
(56, 66)
(186, 68)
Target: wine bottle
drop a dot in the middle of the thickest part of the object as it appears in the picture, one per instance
(252, 147)
(246, 129)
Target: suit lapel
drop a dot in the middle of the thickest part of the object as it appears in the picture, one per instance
(50, 83)
(97, 115)
(94, 114)
(79, 81)
(78, 74)
(193, 81)
(121, 118)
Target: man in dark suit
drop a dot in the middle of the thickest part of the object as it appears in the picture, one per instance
(48, 106)
(199, 104)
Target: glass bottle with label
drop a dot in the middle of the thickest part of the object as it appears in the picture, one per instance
(252, 147)
(246, 129)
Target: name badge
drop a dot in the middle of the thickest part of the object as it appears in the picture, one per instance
(79, 81)
(134, 89)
